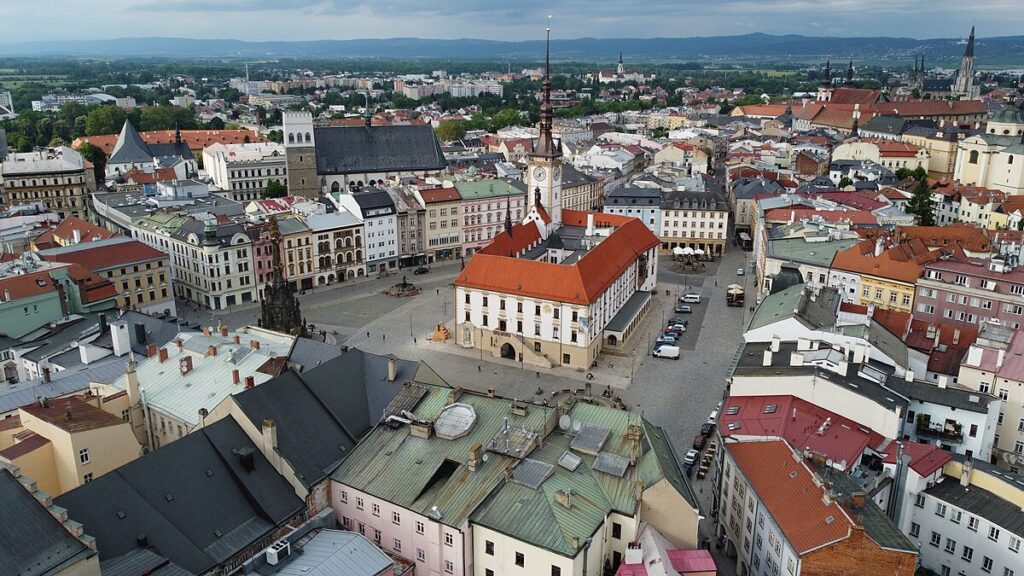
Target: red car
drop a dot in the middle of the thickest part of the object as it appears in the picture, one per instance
(698, 441)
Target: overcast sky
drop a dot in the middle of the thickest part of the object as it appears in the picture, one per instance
(27, 20)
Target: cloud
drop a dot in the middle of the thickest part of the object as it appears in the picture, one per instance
(523, 19)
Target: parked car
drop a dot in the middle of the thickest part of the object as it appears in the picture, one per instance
(684, 309)
(690, 298)
(421, 270)
(682, 321)
(666, 352)
(675, 330)
(691, 457)
(713, 417)
(679, 327)
(707, 429)
(698, 442)
(666, 339)
(739, 272)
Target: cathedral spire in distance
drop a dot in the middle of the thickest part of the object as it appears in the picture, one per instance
(969, 52)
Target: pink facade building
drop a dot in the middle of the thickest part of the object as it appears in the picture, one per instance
(971, 291)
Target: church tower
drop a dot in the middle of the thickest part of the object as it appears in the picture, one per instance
(300, 154)
(963, 86)
(825, 88)
(622, 67)
(544, 174)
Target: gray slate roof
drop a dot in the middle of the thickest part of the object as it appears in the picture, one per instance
(32, 542)
(62, 383)
(192, 499)
(130, 148)
(336, 552)
(141, 562)
(980, 502)
(323, 412)
(358, 149)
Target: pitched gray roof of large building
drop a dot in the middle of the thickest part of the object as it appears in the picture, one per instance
(981, 502)
(130, 148)
(361, 149)
(193, 500)
(32, 541)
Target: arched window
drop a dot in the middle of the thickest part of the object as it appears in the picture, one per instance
(348, 257)
(291, 138)
(1009, 160)
(308, 137)
(335, 187)
(348, 242)
(340, 260)
(973, 158)
(324, 247)
(359, 254)
(337, 244)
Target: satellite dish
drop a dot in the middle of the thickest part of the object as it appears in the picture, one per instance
(828, 462)
(564, 422)
(576, 426)
(484, 457)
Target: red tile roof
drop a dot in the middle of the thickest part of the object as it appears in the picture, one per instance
(764, 110)
(966, 236)
(65, 231)
(854, 200)
(109, 256)
(26, 285)
(139, 177)
(798, 422)
(92, 287)
(787, 489)
(437, 195)
(83, 416)
(853, 308)
(854, 217)
(903, 262)
(580, 283)
(860, 96)
(195, 139)
(29, 443)
(924, 458)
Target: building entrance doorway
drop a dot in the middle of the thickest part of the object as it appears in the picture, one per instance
(507, 351)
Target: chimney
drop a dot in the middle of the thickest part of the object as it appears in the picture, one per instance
(767, 359)
(776, 341)
(475, 457)
(943, 380)
(965, 474)
(224, 330)
(150, 349)
(103, 323)
(162, 353)
(392, 369)
(211, 351)
(858, 499)
(76, 236)
(590, 223)
(858, 353)
(46, 374)
(179, 343)
(185, 365)
(133, 383)
(248, 458)
(140, 333)
(564, 497)
(234, 376)
(236, 339)
(206, 330)
(254, 344)
(250, 382)
(269, 435)
(909, 376)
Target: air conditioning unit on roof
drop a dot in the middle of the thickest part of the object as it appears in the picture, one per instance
(278, 551)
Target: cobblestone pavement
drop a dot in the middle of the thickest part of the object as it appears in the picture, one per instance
(677, 395)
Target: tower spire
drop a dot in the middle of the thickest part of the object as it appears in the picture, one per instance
(849, 74)
(969, 52)
(545, 144)
(828, 72)
(508, 209)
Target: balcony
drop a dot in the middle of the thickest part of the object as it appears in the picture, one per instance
(950, 431)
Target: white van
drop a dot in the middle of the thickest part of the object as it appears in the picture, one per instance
(666, 352)
(713, 417)
(690, 298)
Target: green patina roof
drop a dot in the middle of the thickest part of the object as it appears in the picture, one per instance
(801, 251)
(493, 188)
(776, 306)
(395, 466)
(166, 221)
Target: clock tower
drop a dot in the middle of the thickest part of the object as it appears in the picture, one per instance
(544, 173)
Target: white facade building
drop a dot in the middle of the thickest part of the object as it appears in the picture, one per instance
(242, 171)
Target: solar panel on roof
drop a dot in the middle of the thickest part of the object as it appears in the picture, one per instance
(569, 461)
(611, 464)
(590, 439)
(531, 473)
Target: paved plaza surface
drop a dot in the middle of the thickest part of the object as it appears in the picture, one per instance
(675, 394)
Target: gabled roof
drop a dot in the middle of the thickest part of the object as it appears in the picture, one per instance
(65, 231)
(130, 149)
(924, 458)
(101, 256)
(33, 542)
(394, 148)
(787, 489)
(73, 414)
(193, 500)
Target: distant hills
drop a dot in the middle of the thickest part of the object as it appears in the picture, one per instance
(1003, 51)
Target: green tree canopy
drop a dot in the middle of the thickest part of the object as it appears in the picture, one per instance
(449, 130)
(274, 189)
(97, 156)
(922, 204)
(104, 120)
(167, 118)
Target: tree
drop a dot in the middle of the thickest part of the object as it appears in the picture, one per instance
(451, 130)
(922, 204)
(274, 189)
(215, 123)
(845, 181)
(104, 120)
(506, 117)
(167, 118)
(276, 136)
(97, 156)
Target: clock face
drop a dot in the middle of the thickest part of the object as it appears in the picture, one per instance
(538, 174)
(558, 173)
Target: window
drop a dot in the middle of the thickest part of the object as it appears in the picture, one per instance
(936, 539)
(488, 572)
(1018, 447)
(83, 455)
(362, 529)
(556, 571)
(375, 508)
(940, 509)
(968, 553)
(954, 516)
(950, 546)
(419, 527)
(396, 518)
(359, 503)
(398, 545)
(972, 523)
(421, 555)
(376, 536)
(919, 501)
(344, 496)
(1007, 572)
(520, 559)
(1014, 544)
(449, 540)
(993, 534)
(915, 529)
(986, 564)
(87, 478)
(449, 567)
(489, 548)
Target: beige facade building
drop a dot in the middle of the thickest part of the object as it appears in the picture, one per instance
(941, 146)
(57, 177)
(443, 235)
(581, 191)
(992, 161)
(64, 443)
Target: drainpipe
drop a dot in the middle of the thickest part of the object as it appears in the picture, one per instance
(146, 416)
(586, 549)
